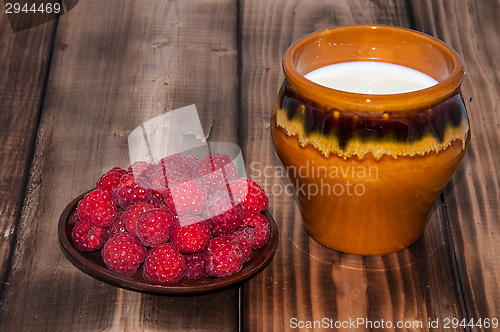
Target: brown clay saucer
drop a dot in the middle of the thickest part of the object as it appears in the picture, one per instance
(91, 263)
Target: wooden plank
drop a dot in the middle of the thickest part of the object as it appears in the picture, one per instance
(472, 199)
(117, 64)
(23, 70)
(307, 282)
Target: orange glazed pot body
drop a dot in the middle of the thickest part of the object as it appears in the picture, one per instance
(368, 168)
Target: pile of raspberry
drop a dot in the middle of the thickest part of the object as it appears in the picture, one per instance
(180, 218)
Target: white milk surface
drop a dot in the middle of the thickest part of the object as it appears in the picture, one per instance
(371, 77)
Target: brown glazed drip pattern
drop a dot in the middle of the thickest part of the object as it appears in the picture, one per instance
(345, 126)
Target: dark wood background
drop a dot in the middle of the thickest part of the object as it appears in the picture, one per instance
(71, 91)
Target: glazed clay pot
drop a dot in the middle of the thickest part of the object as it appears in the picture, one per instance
(368, 168)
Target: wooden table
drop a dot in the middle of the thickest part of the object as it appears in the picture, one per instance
(71, 91)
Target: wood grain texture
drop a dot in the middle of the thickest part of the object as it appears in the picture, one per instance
(306, 281)
(23, 71)
(117, 64)
(472, 199)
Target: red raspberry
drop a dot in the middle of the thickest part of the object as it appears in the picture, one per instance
(191, 235)
(186, 197)
(86, 236)
(217, 162)
(209, 184)
(131, 190)
(164, 264)
(116, 227)
(244, 244)
(157, 202)
(110, 180)
(192, 163)
(223, 216)
(123, 253)
(131, 215)
(75, 219)
(154, 227)
(175, 159)
(182, 179)
(141, 169)
(165, 177)
(250, 195)
(255, 228)
(223, 257)
(217, 171)
(98, 208)
(195, 266)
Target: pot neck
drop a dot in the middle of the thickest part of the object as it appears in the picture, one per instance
(373, 43)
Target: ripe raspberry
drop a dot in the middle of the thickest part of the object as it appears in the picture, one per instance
(164, 177)
(75, 219)
(186, 197)
(215, 162)
(86, 236)
(244, 244)
(131, 190)
(223, 257)
(223, 216)
(255, 228)
(191, 235)
(110, 180)
(182, 179)
(164, 264)
(215, 172)
(250, 195)
(123, 253)
(195, 266)
(131, 215)
(157, 202)
(209, 184)
(141, 169)
(192, 163)
(154, 227)
(175, 159)
(116, 227)
(98, 208)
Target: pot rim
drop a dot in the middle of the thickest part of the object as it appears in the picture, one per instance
(410, 102)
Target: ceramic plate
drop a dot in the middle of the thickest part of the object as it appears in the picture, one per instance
(91, 263)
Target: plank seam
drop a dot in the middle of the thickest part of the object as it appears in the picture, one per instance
(447, 227)
(411, 15)
(239, 138)
(453, 258)
(29, 161)
(239, 46)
